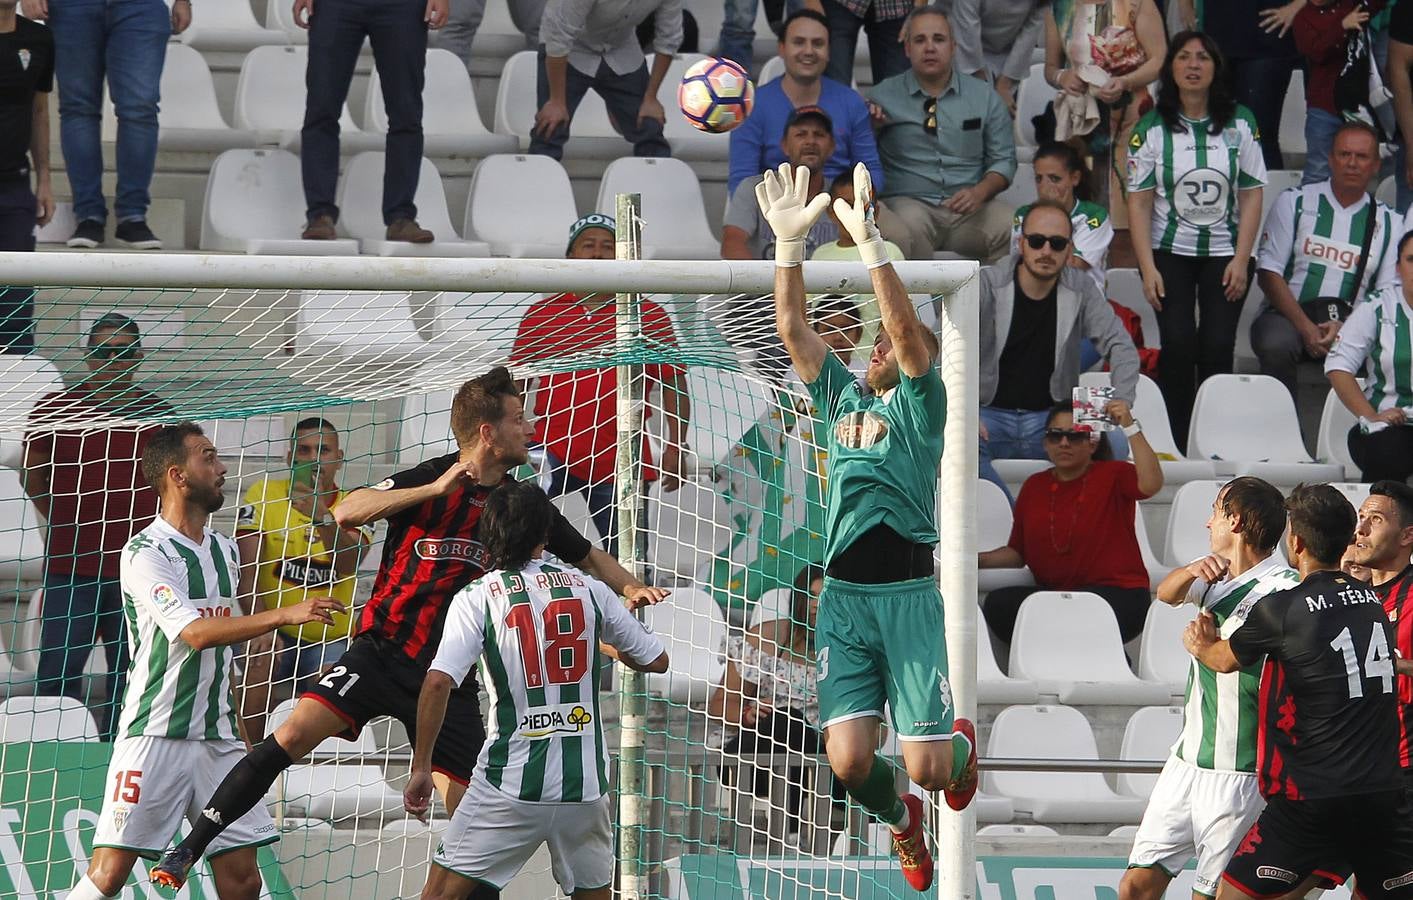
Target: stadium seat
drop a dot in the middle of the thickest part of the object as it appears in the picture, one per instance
(674, 215)
(451, 120)
(249, 441)
(340, 792)
(773, 69)
(270, 98)
(1388, 191)
(1248, 423)
(479, 329)
(228, 26)
(332, 748)
(725, 405)
(1280, 180)
(1126, 289)
(771, 605)
(25, 719)
(1032, 96)
(15, 681)
(1332, 444)
(60, 227)
(1161, 656)
(691, 629)
(688, 142)
(591, 134)
(1021, 190)
(1244, 358)
(1151, 409)
(1149, 736)
(521, 206)
(687, 529)
(24, 380)
(369, 328)
(254, 204)
(1015, 471)
(498, 36)
(21, 538)
(1187, 522)
(425, 427)
(189, 118)
(1069, 645)
(360, 201)
(279, 16)
(1292, 127)
(1157, 571)
(993, 529)
(1125, 832)
(1059, 732)
(1016, 831)
(1354, 491)
(992, 685)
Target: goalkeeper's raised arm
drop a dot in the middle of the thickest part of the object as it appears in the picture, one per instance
(784, 201)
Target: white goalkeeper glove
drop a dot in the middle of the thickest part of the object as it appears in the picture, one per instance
(858, 220)
(784, 201)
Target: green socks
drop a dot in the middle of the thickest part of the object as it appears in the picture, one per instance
(879, 795)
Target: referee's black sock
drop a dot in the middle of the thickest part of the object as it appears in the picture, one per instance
(243, 787)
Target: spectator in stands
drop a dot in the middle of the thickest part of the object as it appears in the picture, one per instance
(398, 33)
(808, 141)
(1035, 312)
(755, 144)
(1195, 177)
(93, 41)
(26, 79)
(1379, 335)
(882, 21)
(463, 20)
(86, 482)
(1260, 61)
(995, 41)
(293, 549)
(947, 147)
(1061, 176)
(1321, 32)
(738, 26)
(769, 694)
(1400, 83)
(1326, 245)
(594, 44)
(844, 248)
(1108, 51)
(837, 319)
(1074, 523)
(576, 417)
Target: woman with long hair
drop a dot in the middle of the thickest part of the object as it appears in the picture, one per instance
(1194, 203)
(1062, 176)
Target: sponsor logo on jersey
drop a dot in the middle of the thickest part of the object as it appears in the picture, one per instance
(554, 721)
(165, 597)
(860, 429)
(385, 485)
(1332, 252)
(1277, 873)
(1200, 197)
(1402, 880)
(463, 549)
(302, 573)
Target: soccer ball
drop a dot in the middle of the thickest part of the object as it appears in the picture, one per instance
(716, 95)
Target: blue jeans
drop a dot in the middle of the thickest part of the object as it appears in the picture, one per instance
(1320, 128)
(621, 94)
(78, 609)
(1011, 434)
(738, 29)
(126, 42)
(886, 56)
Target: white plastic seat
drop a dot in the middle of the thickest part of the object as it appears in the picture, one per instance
(1125, 832)
(1015, 471)
(691, 629)
(521, 206)
(425, 427)
(1069, 645)
(1148, 737)
(1355, 492)
(687, 528)
(24, 719)
(360, 201)
(1292, 127)
(674, 215)
(60, 227)
(270, 97)
(1388, 191)
(21, 536)
(1032, 96)
(1126, 289)
(480, 327)
(229, 26)
(1280, 180)
(771, 605)
(24, 380)
(279, 16)
(1151, 409)
(189, 117)
(1059, 732)
(371, 327)
(725, 405)
(255, 204)
(1021, 190)
(773, 69)
(1016, 831)
(451, 120)
(1161, 655)
(1187, 522)
(992, 685)
(591, 136)
(1248, 422)
(1157, 570)
(688, 141)
(340, 791)
(993, 529)
(1332, 444)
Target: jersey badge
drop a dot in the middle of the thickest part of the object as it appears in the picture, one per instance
(24, 58)
(120, 814)
(1231, 137)
(860, 429)
(165, 597)
(1277, 873)
(385, 485)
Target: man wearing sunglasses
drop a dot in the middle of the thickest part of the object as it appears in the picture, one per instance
(86, 482)
(1035, 311)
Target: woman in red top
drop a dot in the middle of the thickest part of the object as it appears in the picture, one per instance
(1074, 523)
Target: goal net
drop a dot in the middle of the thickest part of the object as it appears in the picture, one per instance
(721, 788)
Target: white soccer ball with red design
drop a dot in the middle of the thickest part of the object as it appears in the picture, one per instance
(716, 95)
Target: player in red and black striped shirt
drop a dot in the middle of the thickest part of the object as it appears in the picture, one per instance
(1383, 544)
(431, 552)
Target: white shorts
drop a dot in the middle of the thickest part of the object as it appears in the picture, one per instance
(154, 783)
(1196, 812)
(492, 835)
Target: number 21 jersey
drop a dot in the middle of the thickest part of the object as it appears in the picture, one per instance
(1328, 707)
(536, 632)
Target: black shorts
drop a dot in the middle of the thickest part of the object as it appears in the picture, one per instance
(375, 678)
(1372, 833)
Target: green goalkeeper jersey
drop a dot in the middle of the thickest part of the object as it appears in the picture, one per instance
(884, 451)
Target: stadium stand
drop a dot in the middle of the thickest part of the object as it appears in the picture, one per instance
(255, 204)
(451, 119)
(521, 206)
(269, 98)
(672, 201)
(360, 201)
(1161, 656)
(230, 26)
(1149, 735)
(45, 719)
(1247, 425)
(1332, 444)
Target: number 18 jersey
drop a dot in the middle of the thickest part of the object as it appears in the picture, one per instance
(536, 633)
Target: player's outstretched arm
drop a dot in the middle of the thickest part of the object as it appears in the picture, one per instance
(219, 631)
(900, 322)
(369, 504)
(656, 667)
(783, 196)
(608, 570)
(431, 712)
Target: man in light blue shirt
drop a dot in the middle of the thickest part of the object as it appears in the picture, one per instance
(947, 148)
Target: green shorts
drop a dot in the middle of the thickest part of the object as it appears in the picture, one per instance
(884, 642)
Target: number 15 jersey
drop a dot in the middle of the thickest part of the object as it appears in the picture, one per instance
(1328, 707)
(536, 633)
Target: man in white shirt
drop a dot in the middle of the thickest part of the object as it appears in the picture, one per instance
(594, 44)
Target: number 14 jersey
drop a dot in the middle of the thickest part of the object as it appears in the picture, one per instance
(536, 633)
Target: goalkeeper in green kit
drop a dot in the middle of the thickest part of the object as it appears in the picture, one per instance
(880, 627)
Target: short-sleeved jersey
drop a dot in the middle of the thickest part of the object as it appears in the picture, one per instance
(884, 450)
(294, 564)
(1220, 709)
(1313, 243)
(175, 691)
(536, 634)
(432, 551)
(26, 67)
(1328, 707)
(1093, 233)
(1195, 177)
(1379, 332)
(1398, 606)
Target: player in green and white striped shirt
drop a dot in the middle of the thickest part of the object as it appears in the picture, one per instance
(177, 737)
(1207, 796)
(537, 627)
